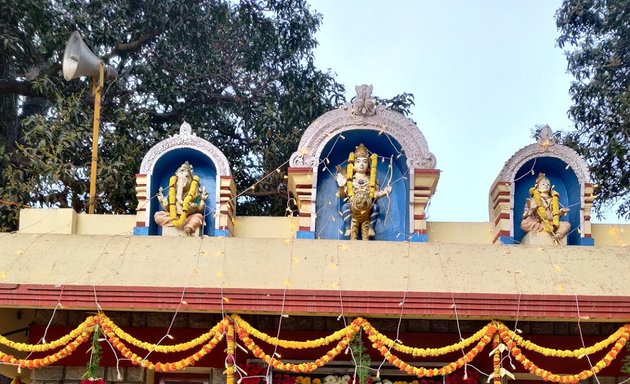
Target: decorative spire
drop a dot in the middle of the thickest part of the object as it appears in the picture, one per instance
(545, 138)
(363, 104)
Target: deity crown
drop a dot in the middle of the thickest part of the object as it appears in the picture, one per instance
(361, 151)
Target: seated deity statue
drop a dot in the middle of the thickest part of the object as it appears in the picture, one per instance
(542, 211)
(184, 204)
(359, 191)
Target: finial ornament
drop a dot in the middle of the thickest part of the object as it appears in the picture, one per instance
(185, 129)
(363, 104)
(545, 138)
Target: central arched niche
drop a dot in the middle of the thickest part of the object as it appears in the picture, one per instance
(327, 142)
(393, 223)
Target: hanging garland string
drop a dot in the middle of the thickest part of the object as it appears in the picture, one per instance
(276, 363)
(251, 331)
(161, 348)
(512, 342)
(565, 379)
(375, 336)
(576, 353)
(85, 326)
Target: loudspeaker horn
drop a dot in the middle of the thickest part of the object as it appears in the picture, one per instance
(79, 60)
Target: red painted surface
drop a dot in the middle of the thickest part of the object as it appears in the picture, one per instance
(322, 302)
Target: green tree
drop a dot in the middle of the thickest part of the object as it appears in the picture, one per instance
(241, 73)
(598, 31)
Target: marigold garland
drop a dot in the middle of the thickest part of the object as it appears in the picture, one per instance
(297, 368)
(383, 344)
(293, 344)
(549, 227)
(192, 193)
(166, 367)
(160, 348)
(565, 379)
(496, 360)
(64, 340)
(430, 372)
(576, 353)
(375, 336)
(50, 359)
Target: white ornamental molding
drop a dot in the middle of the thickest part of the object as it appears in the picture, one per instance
(545, 146)
(383, 120)
(186, 139)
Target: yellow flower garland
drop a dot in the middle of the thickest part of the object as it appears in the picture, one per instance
(192, 193)
(383, 344)
(565, 379)
(297, 368)
(375, 336)
(23, 347)
(576, 353)
(549, 227)
(161, 348)
(373, 166)
(292, 344)
(349, 173)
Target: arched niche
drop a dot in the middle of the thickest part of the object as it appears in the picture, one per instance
(567, 172)
(327, 143)
(208, 162)
(393, 222)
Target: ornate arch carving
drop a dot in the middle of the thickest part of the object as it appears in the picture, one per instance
(186, 139)
(344, 119)
(566, 154)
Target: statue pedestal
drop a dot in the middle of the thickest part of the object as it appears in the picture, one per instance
(174, 232)
(541, 238)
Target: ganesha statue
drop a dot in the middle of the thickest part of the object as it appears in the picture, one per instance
(359, 190)
(183, 206)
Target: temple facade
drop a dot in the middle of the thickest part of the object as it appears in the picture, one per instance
(357, 287)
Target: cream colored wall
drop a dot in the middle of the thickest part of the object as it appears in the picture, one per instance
(313, 264)
(66, 221)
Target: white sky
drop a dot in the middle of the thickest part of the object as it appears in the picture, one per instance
(483, 74)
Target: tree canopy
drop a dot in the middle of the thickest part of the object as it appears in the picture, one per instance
(241, 73)
(598, 33)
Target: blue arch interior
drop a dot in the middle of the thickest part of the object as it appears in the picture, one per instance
(392, 223)
(563, 179)
(166, 166)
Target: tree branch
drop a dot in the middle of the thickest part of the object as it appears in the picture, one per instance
(132, 46)
(23, 88)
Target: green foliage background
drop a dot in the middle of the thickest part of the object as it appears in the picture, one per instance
(240, 72)
(596, 36)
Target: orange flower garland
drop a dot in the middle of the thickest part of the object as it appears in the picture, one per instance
(496, 360)
(297, 368)
(51, 359)
(251, 331)
(117, 337)
(443, 371)
(421, 352)
(23, 347)
(565, 379)
(576, 353)
(166, 367)
(159, 348)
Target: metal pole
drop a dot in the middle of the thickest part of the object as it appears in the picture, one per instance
(97, 86)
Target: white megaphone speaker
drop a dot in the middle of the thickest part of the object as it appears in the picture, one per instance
(78, 60)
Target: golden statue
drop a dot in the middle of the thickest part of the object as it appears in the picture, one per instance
(359, 190)
(542, 211)
(184, 205)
